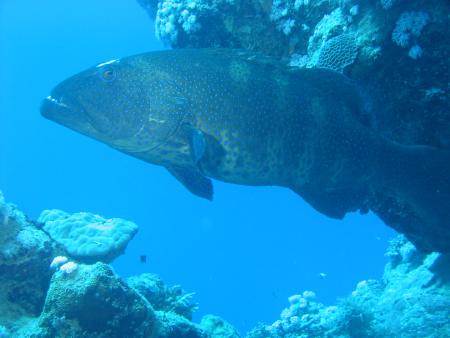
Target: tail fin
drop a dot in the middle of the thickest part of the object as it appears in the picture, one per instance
(413, 195)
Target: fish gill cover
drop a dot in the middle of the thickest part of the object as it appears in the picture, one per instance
(392, 50)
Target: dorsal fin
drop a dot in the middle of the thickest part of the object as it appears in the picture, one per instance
(330, 82)
(257, 57)
(245, 55)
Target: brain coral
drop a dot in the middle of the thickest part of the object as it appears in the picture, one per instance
(88, 237)
(338, 52)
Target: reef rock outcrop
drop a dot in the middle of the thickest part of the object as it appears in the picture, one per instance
(25, 256)
(94, 301)
(45, 294)
(164, 298)
(411, 300)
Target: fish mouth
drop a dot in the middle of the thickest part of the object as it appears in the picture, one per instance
(70, 115)
(51, 105)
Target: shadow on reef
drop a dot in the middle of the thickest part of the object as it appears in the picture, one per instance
(47, 293)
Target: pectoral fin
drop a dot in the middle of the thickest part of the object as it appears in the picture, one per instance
(196, 140)
(194, 181)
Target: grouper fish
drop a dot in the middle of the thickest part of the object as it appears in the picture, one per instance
(233, 116)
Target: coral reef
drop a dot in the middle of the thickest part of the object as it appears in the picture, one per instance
(172, 325)
(215, 23)
(162, 297)
(337, 53)
(3, 332)
(408, 26)
(44, 294)
(36, 300)
(88, 237)
(411, 300)
(114, 309)
(218, 328)
(25, 255)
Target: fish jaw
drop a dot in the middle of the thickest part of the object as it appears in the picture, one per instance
(73, 116)
(56, 109)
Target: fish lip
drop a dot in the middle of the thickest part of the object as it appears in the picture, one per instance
(56, 101)
(62, 111)
(70, 114)
(51, 104)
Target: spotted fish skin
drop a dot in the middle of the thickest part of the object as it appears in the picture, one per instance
(245, 119)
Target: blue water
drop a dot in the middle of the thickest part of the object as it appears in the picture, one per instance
(242, 254)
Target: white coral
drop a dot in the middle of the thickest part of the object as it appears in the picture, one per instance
(68, 268)
(58, 261)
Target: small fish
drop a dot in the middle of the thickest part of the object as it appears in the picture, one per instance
(143, 259)
(322, 275)
(240, 118)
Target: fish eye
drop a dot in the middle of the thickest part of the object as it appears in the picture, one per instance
(107, 74)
